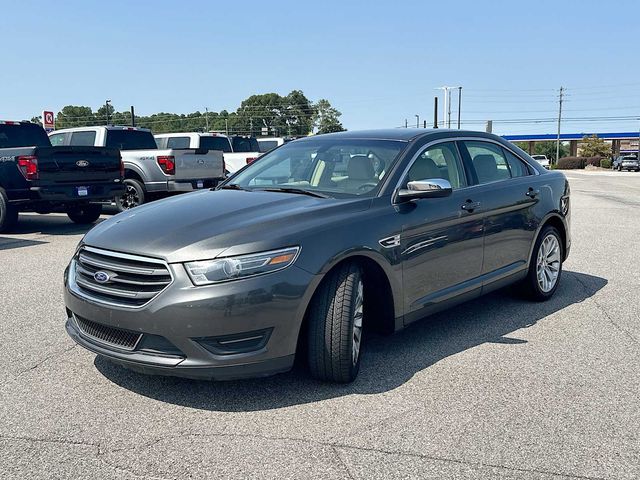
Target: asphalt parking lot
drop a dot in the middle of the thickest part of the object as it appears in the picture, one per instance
(496, 388)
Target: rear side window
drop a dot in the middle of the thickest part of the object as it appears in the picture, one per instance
(178, 142)
(489, 161)
(86, 139)
(266, 145)
(518, 167)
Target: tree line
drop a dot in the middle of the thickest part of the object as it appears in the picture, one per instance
(272, 114)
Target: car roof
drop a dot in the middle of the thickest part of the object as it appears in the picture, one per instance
(400, 134)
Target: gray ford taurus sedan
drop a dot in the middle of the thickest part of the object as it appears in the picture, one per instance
(314, 244)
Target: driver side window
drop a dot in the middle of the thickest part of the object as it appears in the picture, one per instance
(439, 161)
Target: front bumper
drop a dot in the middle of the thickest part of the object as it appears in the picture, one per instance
(192, 319)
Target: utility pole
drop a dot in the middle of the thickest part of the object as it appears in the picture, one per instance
(417, 121)
(406, 123)
(226, 125)
(489, 126)
(435, 112)
(206, 117)
(447, 105)
(459, 104)
(133, 117)
(106, 109)
(559, 122)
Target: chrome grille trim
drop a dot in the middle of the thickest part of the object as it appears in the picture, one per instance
(133, 281)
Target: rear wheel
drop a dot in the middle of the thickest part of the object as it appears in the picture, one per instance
(133, 195)
(85, 214)
(545, 267)
(335, 326)
(8, 213)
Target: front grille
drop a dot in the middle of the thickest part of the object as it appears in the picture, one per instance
(110, 335)
(125, 280)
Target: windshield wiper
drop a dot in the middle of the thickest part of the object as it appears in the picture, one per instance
(299, 191)
(233, 186)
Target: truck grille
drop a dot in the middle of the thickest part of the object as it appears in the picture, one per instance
(119, 278)
(110, 335)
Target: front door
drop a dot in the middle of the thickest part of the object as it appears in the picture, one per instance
(441, 241)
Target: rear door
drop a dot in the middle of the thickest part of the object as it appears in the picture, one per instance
(441, 241)
(196, 164)
(507, 190)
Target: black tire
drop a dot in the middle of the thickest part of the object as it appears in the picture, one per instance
(530, 286)
(85, 214)
(331, 334)
(133, 195)
(8, 213)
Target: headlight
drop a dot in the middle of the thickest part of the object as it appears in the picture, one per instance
(231, 268)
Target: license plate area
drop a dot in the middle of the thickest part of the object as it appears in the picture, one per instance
(82, 191)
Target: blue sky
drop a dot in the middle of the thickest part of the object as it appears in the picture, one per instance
(377, 62)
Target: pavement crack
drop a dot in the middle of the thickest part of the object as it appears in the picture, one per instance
(46, 359)
(59, 441)
(604, 311)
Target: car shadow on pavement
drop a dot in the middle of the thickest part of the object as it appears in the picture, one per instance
(7, 243)
(388, 361)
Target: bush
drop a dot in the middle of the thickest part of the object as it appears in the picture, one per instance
(605, 163)
(571, 163)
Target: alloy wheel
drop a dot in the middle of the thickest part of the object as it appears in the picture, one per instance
(548, 263)
(357, 322)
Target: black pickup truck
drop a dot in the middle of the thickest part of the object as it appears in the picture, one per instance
(34, 176)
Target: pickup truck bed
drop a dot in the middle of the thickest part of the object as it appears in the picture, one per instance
(38, 177)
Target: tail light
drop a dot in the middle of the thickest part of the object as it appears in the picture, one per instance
(251, 160)
(167, 164)
(28, 165)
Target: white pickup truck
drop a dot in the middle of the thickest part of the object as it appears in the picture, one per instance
(147, 169)
(238, 150)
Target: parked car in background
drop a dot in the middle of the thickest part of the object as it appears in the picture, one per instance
(267, 144)
(542, 160)
(295, 250)
(626, 162)
(148, 170)
(37, 177)
(238, 151)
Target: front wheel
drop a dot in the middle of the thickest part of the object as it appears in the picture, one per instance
(133, 195)
(545, 267)
(85, 214)
(335, 326)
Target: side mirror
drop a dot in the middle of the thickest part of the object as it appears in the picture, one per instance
(433, 187)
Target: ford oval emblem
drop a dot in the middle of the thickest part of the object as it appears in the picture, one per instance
(82, 163)
(101, 277)
(201, 161)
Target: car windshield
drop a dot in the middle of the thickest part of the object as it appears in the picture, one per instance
(333, 167)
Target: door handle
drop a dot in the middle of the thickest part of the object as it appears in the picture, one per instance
(470, 206)
(532, 193)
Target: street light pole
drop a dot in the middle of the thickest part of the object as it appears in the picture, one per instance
(106, 108)
(459, 104)
(559, 121)
(417, 121)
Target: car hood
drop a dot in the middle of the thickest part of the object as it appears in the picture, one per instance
(205, 224)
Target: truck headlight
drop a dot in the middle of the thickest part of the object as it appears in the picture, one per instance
(230, 268)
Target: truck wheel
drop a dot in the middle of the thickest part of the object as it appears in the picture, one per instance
(133, 195)
(545, 267)
(8, 213)
(85, 214)
(335, 326)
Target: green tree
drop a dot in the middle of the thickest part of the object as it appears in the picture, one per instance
(37, 120)
(547, 148)
(75, 116)
(594, 147)
(327, 118)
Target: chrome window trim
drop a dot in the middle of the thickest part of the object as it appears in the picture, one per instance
(459, 139)
(73, 286)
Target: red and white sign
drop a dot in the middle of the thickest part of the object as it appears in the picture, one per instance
(48, 120)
